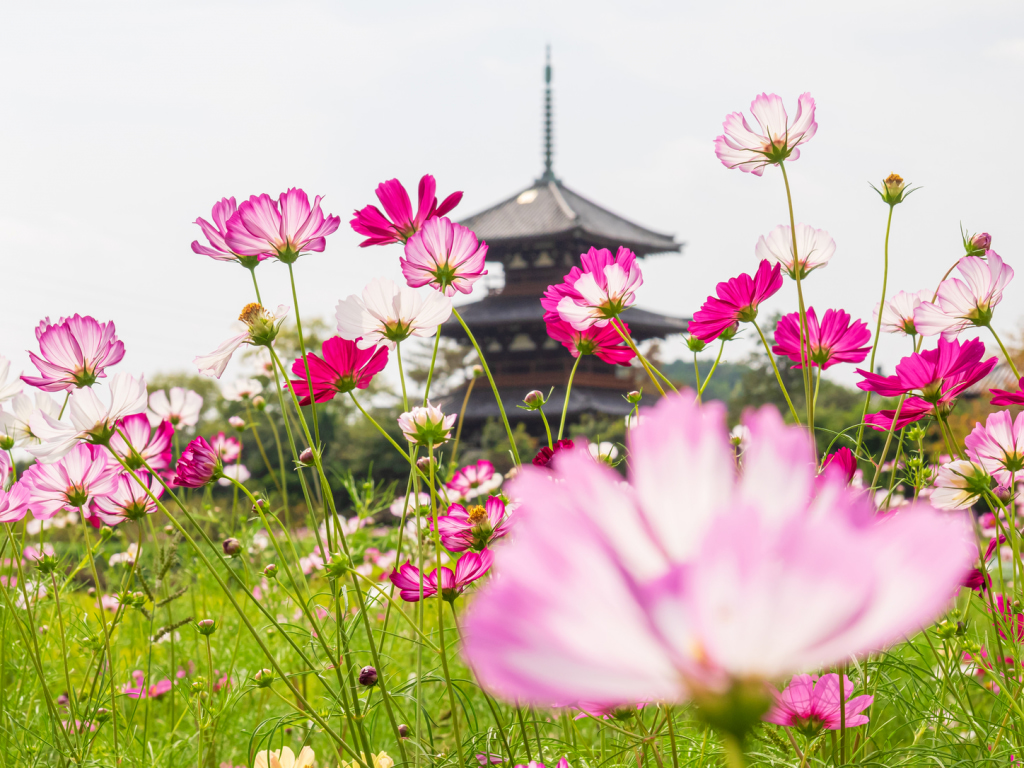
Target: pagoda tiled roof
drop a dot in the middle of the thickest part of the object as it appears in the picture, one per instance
(482, 404)
(550, 209)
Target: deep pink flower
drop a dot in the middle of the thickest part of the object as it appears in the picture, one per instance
(1005, 397)
(344, 367)
(228, 448)
(610, 595)
(284, 228)
(199, 464)
(545, 454)
(217, 233)
(1009, 618)
(397, 224)
(599, 291)
(72, 483)
(14, 502)
(471, 566)
(835, 340)
(742, 148)
(811, 703)
(605, 342)
(145, 444)
(842, 465)
(960, 304)
(737, 300)
(128, 499)
(473, 480)
(159, 689)
(474, 528)
(74, 352)
(444, 255)
(977, 581)
(998, 446)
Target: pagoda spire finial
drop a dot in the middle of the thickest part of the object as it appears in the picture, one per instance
(549, 174)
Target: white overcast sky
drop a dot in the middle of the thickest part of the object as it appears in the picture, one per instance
(124, 121)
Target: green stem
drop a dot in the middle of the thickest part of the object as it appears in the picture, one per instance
(259, 444)
(734, 757)
(778, 376)
(696, 375)
(643, 361)
(401, 376)
(430, 371)
(1006, 354)
(714, 366)
(565, 405)
(305, 362)
(252, 271)
(547, 427)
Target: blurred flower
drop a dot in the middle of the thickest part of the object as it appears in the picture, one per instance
(470, 567)
(388, 313)
(15, 423)
(601, 290)
(228, 448)
(216, 234)
(426, 426)
(737, 301)
(998, 446)
(284, 758)
(545, 454)
(284, 228)
(199, 464)
(399, 224)
(898, 312)
(605, 452)
(344, 367)
(1001, 396)
(398, 505)
(128, 499)
(177, 405)
(964, 303)
(8, 390)
(811, 703)
(841, 465)
(14, 502)
(605, 342)
(233, 472)
(240, 389)
(474, 528)
(380, 760)
(835, 340)
(74, 352)
(742, 148)
(959, 485)
(124, 558)
(237, 422)
(144, 443)
(473, 480)
(444, 255)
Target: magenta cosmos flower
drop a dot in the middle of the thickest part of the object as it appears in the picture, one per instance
(145, 445)
(72, 483)
(737, 301)
(217, 233)
(473, 528)
(834, 340)
(1005, 397)
(811, 703)
(815, 248)
(740, 147)
(692, 579)
(960, 304)
(605, 342)
(444, 255)
(473, 480)
(599, 291)
(397, 224)
(130, 498)
(842, 465)
(73, 352)
(284, 228)
(199, 464)
(545, 455)
(471, 566)
(998, 446)
(344, 367)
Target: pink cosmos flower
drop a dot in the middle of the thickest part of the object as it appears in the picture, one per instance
(284, 228)
(145, 444)
(6, 468)
(742, 148)
(998, 446)
(815, 248)
(842, 465)
(959, 485)
(835, 340)
(427, 425)
(72, 483)
(14, 502)
(387, 314)
(811, 703)
(605, 342)
(599, 291)
(474, 528)
(180, 406)
(470, 567)
(444, 255)
(344, 367)
(689, 580)
(960, 303)
(1005, 397)
(199, 464)
(216, 235)
(74, 352)
(397, 224)
(227, 448)
(129, 500)
(898, 312)
(473, 480)
(737, 301)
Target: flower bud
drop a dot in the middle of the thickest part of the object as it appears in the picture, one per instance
(259, 403)
(6, 442)
(168, 529)
(729, 333)
(634, 397)
(535, 398)
(47, 564)
(237, 422)
(426, 426)
(368, 676)
(62, 700)
(102, 715)
(337, 566)
(424, 463)
(261, 504)
(197, 686)
(894, 190)
(306, 457)
(477, 371)
(106, 532)
(263, 678)
(138, 599)
(694, 344)
(206, 627)
(977, 245)
(403, 730)
(270, 571)
(232, 547)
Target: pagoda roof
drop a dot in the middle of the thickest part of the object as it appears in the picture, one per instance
(482, 405)
(549, 209)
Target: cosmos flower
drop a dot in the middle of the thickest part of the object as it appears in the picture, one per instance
(898, 312)
(14, 502)
(180, 406)
(344, 367)
(604, 342)
(240, 389)
(129, 499)
(1005, 397)
(261, 328)
(545, 454)
(737, 301)
(8, 389)
(691, 582)
(397, 224)
(388, 313)
(145, 445)
(284, 228)
(199, 464)
(444, 255)
(740, 147)
(228, 448)
(426, 426)
(597, 292)
(470, 567)
(811, 703)
(217, 232)
(473, 480)
(960, 304)
(959, 485)
(15, 423)
(231, 472)
(998, 447)
(835, 340)
(815, 247)
(842, 465)
(72, 483)
(475, 527)
(73, 352)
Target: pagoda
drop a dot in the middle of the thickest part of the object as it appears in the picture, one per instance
(537, 235)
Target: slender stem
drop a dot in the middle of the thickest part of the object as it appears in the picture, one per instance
(401, 376)
(547, 427)
(842, 698)
(280, 458)
(734, 757)
(643, 361)
(696, 375)
(671, 729)
(805, 341)
(1006, 354)
(252, 271)
(63, 406)
(778, 376)
(305, 361)
(714, 366)
(458, 430)
(430, 371)
(565, 405)
(259, 444)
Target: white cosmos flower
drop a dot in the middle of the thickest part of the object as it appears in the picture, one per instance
(7, 391)
(15, 422)
(388, 313)
(234, 472)
(177, 405)
(898, 312)
(241, 389)
(814, 248)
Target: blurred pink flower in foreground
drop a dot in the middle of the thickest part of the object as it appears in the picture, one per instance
(8, 390)
(74, 352)
(834, 340)
(811, 703)
(473, 528)
(284, 228)
(73, 482)
(689, 581)
(388, 313)
(344, 367)
(470, 567)
(740, 147)
(397, 224)
(601, 290)
(815, 248)
(604, 342)
(737, 301)
(960, 304)
(444, 255)
(998, 446)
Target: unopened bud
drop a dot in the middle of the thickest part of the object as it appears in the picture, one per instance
(634, 397)
(47, 564)
(206, 626)
(259, 403)
(534, 399)
(270, 571)
(106, 532)
(477, 371)
(197, 686)
(138, 599)
(237, 422)
(368, 676)
(62, 700)
(261, 504)
(424, 463)
(263, 678)
(306, 457)
(6, 442)
(337, 566)
(694, 344)
(977, 245)
(102, 715)
(403, 730)
(894, 190)
(168, 529)
(232, 547)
